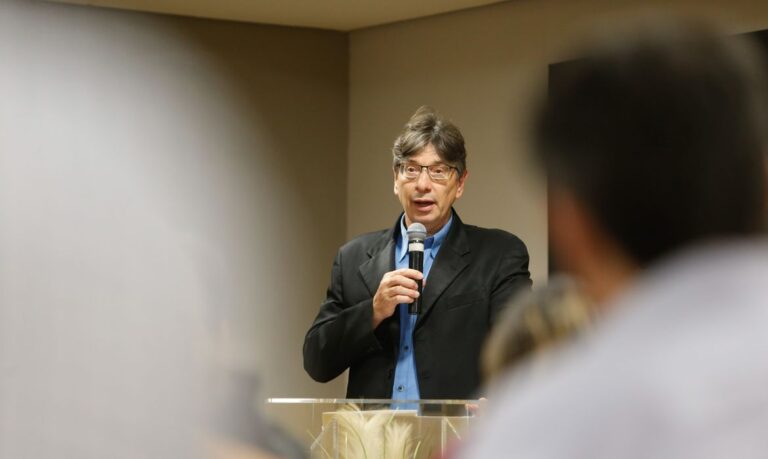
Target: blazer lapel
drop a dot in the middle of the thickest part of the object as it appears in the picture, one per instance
(381, 261)
(450, 262)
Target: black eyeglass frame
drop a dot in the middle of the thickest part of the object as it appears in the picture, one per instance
(401, 167)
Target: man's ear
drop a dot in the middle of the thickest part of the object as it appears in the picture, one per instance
(460, 188)
(583, 247)
(395, 180)
(571, 230)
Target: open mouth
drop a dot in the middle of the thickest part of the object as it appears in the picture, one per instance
(423, 205)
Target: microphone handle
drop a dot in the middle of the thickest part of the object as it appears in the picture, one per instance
(416, 261)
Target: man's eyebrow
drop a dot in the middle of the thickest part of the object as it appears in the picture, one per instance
(439, 163)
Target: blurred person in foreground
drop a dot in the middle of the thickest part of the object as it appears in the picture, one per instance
(655, 151)
(531, 328)
(470, 272)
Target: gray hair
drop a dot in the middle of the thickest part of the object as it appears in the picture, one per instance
(427, 127)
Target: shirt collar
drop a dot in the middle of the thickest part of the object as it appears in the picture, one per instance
(433, 242)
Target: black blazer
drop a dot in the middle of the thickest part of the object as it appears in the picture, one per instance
(473, 276)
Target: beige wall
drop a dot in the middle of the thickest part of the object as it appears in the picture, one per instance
(171, 184)
(167, 185)
(479, 68)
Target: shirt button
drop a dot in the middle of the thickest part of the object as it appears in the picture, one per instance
(407, 348)
(400, 388)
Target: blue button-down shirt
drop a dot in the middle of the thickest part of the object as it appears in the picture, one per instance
(406, 384)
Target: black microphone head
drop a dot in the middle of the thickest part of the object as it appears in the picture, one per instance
(417, 232)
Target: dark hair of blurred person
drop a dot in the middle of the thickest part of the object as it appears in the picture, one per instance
(654, 147)
(659, 139)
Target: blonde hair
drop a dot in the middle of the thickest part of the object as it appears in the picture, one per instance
(535, 322)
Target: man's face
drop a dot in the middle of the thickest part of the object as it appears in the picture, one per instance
(424, 200)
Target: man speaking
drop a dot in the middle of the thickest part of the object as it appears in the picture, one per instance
(365, 323)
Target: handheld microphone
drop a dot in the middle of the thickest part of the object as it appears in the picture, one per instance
(416, 235)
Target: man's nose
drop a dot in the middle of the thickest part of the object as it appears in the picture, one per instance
(423, 182)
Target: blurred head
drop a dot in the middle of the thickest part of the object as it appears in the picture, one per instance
(653, 141)
(533, 323)
(429, 161)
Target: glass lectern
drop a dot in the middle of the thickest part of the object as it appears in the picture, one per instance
(375, 428)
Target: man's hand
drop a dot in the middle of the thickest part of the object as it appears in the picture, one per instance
(473, 409)
(396, 287)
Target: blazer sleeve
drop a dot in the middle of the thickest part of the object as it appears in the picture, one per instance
(341, 333)
(512, 277)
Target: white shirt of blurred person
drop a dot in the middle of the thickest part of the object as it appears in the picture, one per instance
(654, 148)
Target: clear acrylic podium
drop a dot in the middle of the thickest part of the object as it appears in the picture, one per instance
(375, 428)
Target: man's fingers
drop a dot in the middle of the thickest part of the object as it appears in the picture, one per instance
(403, 291)
(407, 272)
(397, 287)
(403, 282)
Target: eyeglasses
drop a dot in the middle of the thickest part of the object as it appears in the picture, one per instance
(436, 172)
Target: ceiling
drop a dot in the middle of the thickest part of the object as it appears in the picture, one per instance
(341, 15)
